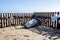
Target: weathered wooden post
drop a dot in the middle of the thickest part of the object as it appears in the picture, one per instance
(0, 20)
(9, 19)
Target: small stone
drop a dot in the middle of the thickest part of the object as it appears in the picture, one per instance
(26, 35)
(27, 39)
(15, 39)
(3, 30)
(49, 37)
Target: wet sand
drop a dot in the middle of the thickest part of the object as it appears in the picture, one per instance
(19, 33)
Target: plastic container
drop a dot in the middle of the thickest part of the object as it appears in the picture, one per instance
(33, 23)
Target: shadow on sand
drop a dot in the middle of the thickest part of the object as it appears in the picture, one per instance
(51, 33)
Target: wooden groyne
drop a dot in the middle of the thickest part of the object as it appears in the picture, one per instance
(13, 19)
(45, 17)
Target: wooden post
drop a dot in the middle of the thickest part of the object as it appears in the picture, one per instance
(19, 21)
(1, 20)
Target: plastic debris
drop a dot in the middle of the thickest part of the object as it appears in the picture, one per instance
(33, 23)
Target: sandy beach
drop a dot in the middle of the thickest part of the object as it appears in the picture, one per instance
(37, 33)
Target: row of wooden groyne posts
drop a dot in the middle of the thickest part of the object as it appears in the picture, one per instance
(14, 19)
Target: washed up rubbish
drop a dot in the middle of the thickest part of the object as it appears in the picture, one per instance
(32, 23)
(54, 17)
